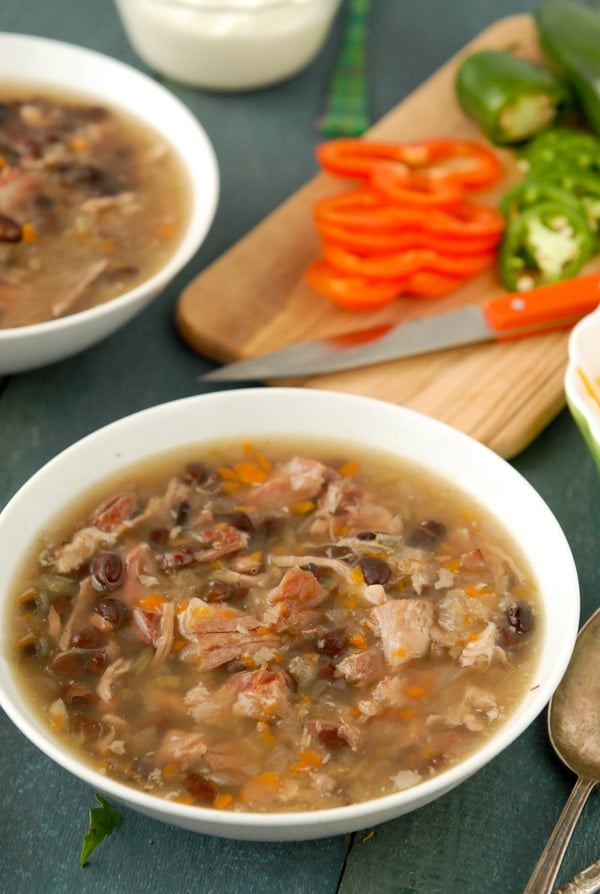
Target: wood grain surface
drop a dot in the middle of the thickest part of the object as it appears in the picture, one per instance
(253, 298)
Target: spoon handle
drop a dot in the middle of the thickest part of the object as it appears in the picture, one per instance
(585, 882)
(546, 870)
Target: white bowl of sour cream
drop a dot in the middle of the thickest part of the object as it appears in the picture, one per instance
(227, 45)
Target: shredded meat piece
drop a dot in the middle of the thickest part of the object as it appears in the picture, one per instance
(361, 667)
(82, 547)
(299, 479)
(112, 673)
(74, 288)
(180, 747)
(405, 629)
(289, 604)
(80, 612)
(218, 635)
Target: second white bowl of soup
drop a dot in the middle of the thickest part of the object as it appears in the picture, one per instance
(108, 186)
(280, 613)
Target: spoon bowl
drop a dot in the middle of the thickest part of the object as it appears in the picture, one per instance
(574, 731)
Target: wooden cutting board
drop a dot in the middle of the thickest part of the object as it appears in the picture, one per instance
(501, 394)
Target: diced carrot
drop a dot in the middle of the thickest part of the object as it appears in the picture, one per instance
(452, 565)
(29, 233)
(223, 800)
(78, 144)
(230, 487)
(3, 161)
(260, 787)
(475, 590)
(152, 602)
(302, 507)
(250, 473)
(407, 713)
(227, 473)
(415, 691)
(267, 738)
(358, 641)
(184, 799)
(167, 230)
(349, 469)
(356, 575)
(170, 770)
(400, 653)
(263, 462)
(307, 759)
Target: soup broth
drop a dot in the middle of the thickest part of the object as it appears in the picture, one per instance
(92, 203)
(275, 626)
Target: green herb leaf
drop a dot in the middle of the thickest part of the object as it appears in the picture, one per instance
(103, 822)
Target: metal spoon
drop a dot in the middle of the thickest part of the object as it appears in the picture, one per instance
(574, 730)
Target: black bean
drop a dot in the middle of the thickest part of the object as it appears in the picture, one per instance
(332, 642)
(366, 535)
(114, 611)
(375, 571)
(88, 637)
(218, 591)
(427, 533)
(182, 512)
(86, 725)
(107, 572)
(520, 617)
(10, 230)
(242, 522)
(158, 536)
(196, 472)
(200, 787)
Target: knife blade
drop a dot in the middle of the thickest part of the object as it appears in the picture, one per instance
(508, 316)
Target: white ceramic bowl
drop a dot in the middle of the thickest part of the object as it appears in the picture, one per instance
(227, 44)
(61, 67)
(582, 377)
(252, 414)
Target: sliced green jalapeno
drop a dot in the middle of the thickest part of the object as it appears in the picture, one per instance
(545, 243)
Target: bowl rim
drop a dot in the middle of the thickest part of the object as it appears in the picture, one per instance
(319, 822)
(205, 195)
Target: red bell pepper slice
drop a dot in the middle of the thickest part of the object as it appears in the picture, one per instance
(413, 189)
(377, 242)
(400, 265)
(350, 292)
(480, 166)
(365, 209)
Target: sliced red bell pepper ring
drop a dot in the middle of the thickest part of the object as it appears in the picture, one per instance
(403, 264)
(349, 291)
(365, 209)
(356, 158)
(369, 242)
(413, 189)
(426, 284)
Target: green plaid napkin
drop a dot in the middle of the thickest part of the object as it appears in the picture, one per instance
(347, 103)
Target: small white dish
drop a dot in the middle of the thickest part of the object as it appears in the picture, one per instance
(582, 380)
(227, 45)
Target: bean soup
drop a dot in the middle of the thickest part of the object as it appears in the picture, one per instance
(92, 203)
(275, 627)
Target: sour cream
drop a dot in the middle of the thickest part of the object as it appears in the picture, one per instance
(227, 44)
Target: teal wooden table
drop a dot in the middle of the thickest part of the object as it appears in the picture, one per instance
(484, 837)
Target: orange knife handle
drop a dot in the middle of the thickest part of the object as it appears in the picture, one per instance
(554, 306)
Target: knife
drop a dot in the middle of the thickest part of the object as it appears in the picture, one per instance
(509, 316)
